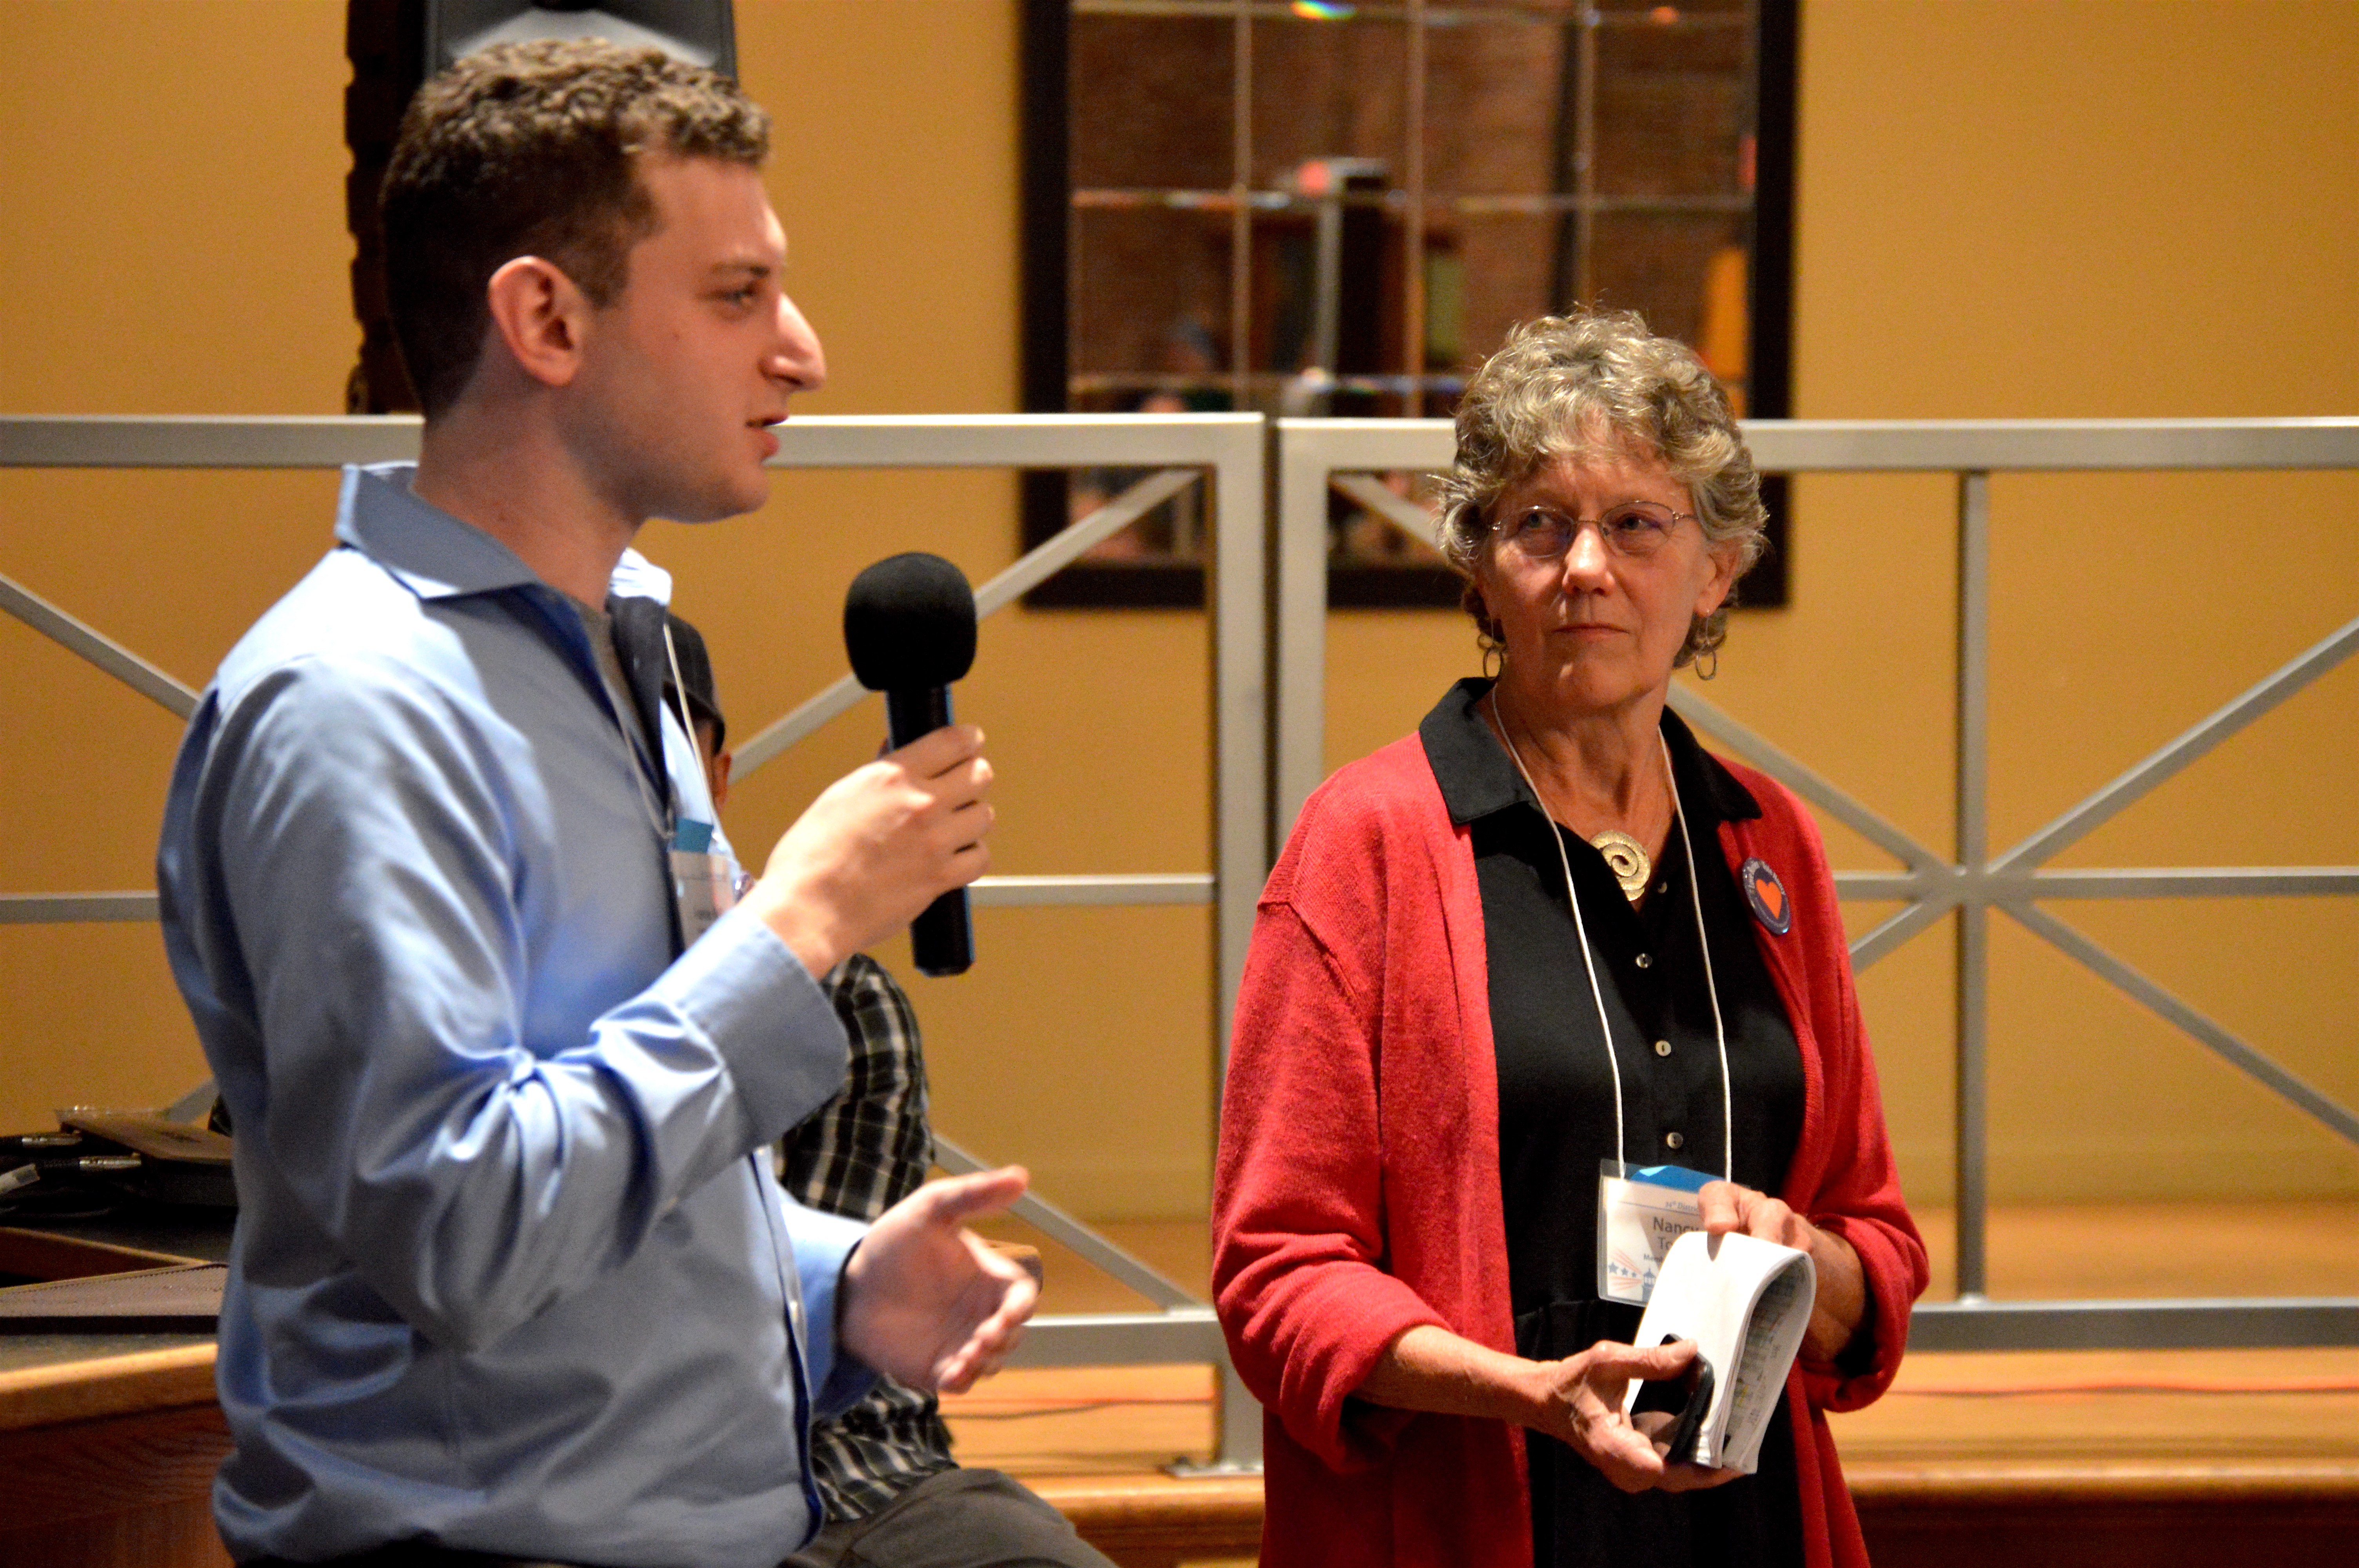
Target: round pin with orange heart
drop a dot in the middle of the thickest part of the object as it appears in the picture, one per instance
(1767, 896)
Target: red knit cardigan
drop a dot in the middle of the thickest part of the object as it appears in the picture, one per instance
(1357, 1191)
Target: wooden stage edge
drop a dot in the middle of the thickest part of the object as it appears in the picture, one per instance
(2027, 1459)
(2149, 1515)
(107, 1462)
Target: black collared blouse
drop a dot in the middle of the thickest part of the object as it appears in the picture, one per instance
(1556, 1104)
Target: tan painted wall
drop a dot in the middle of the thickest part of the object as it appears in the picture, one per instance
(2007, 208)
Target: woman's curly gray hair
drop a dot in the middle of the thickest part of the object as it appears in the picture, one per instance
(1598, 384)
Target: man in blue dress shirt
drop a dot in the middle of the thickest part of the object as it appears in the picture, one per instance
(512, 1274)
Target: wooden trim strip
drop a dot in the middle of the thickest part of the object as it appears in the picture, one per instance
(42, 1255)
(115, 1385)
(1967, 1482)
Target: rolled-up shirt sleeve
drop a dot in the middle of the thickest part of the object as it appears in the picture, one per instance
(368, 868)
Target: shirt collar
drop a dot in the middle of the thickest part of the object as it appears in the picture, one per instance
(433, 554)
(1477, 778)
(635, 577)
(437, 556)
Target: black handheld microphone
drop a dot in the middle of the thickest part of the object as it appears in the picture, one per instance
(908, 624)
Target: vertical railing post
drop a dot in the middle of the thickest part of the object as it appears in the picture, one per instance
(1240, 1424)
(1301, 623)
(1241, 824)
(1973, 854)
(1241, 709)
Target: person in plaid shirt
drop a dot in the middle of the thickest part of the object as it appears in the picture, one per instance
(896, 1497)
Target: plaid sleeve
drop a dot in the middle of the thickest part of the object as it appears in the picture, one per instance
(869, 1147)
(857, 1155)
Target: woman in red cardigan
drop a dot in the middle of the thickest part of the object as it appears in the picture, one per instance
(1545, 937)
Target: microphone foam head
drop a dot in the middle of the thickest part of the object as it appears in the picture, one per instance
(909, 622)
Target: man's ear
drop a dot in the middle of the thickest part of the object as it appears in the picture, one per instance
(541, 317)
(720, 763)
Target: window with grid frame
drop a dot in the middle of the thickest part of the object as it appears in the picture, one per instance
(1337, 208)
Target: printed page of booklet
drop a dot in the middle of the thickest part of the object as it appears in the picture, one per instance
(1746, 1304)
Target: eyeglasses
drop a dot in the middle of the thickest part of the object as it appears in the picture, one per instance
(1636, 529)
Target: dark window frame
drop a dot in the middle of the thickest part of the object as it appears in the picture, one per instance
(1044, 342)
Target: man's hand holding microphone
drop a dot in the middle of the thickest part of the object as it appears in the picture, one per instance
(877, 847)
(924, 1300)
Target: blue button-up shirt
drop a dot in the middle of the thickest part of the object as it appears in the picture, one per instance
(512, 1273)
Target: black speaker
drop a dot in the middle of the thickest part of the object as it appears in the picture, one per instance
(395, 45)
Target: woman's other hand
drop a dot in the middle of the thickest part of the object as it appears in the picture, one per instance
(1841, 1302)
(1579, 1404)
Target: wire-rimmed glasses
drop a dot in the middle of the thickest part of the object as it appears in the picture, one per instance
(1634, 529)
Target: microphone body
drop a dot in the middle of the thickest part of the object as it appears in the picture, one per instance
(909, 626)
(942, 936)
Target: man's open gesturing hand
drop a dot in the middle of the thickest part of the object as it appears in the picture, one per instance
(877, 846)
(924, 1300)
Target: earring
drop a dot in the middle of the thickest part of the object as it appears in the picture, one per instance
(1704, 670)
(1494, 659)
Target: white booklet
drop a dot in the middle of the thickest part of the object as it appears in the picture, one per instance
(1746, 1304)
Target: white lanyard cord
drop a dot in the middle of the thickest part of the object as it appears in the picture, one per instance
(1581, 929)
(680, 691)
(1710, 988)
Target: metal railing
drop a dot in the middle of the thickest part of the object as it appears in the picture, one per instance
(1316, 454)
(1268, 700)
(1227, 450)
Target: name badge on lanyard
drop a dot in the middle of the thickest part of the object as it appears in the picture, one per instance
(1641, 1210)
(704, 885)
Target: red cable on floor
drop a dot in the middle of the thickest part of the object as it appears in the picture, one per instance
(970, 1409)
(2140, 1386)
(1017, 1410)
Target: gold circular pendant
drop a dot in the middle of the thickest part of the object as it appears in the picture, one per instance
(1626, 859)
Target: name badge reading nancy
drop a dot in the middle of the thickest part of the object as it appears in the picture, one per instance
(704, 884)
(1641, 1210)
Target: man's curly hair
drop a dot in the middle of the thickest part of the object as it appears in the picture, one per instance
(532, 149)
